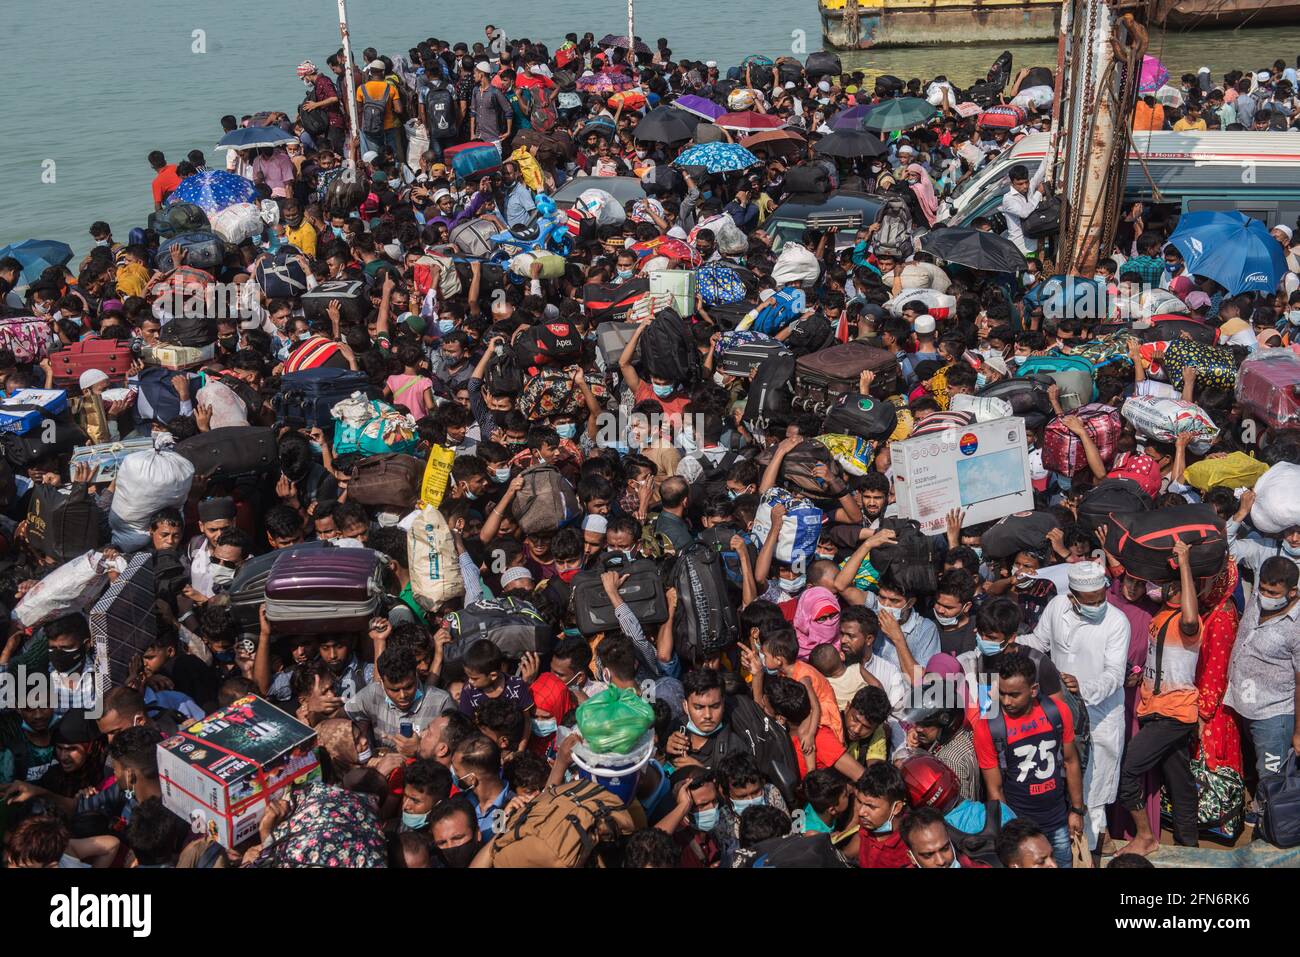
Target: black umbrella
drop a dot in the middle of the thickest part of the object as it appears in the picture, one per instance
(974, 248)
(850, 144)
(660, 180)
(664, 124)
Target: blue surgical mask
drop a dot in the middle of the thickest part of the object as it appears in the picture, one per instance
(791, 585)
(731, 494)
(704, 820)
(566, 430)
(1290, 549)
(663, 391)
(986, 647)
(446, 326)
(337, 231)
(757, 801)
(979, 552)
(1093, 614)
(545, 727)
(762, 658)
(980, 380)
(625, 274)
(694, 729)
(502, 475)
(413, 822)
(470, 496)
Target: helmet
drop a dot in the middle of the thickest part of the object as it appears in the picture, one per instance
(930, 783)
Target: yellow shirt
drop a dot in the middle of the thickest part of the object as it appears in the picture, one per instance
(304, 237)
(1183, 125)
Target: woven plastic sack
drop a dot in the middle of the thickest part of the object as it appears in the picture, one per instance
(1165, 419)
(1235, 470)
(854, 454)
(613, 721)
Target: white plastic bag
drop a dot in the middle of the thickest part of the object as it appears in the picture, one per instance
(1277, 501)
(417, 142)
(1165, 419)
(149, 481)
(606, 210)
(227, 407)
(72, 587)
(938, 304)
(238, 222)
(800, 528)
(796, 265)
(1034, 98)
(984, 408)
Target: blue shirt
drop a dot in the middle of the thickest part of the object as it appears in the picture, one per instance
(485, 814)
(519, 205)
(922, 641)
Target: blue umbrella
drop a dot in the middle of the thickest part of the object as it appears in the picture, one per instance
(213, 190)
(251, 137)
(717, 157)
(1233, 249)
(37, 255)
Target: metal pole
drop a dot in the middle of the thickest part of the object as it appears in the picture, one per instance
(354, 131)
(631, 37)
(1062, 90)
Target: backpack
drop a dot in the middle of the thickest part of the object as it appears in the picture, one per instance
(706, 621)
(561, 827)
(546, 502)
(513, 625)
(668, 348)
(539, 109)
(798, 850)
(1082, 733)
(373, 111)
(768, 742)
(440, 108)
(503, 375)
(981, 847)
(895, 219)
(314, 122)
(769, 400)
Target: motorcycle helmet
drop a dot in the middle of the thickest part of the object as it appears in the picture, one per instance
(930, 783)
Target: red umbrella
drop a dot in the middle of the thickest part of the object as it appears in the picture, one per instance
(749, 122)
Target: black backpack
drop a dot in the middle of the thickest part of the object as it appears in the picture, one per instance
(981, 847)
(798, 850)
(1078, 714)
(373, 111)
(863, 416)
(314, 122)
(767, 741)
(911, 560)
(706, 622)
(503, 375)
(440, 109)
(668, 348)
(769, 399)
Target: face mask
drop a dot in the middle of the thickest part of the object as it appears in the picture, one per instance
(743, 803)
(1293, 317)
(663, 391)
(1271, 604)
(63, 659)
(413, 822)
(364, 756)
(502, 475)
(892, 612)
(1290, 549)
(689, 444)
(731, 494)
(470, 496)
(337, 231)
(704, 820)
(1090, 613)
(566, 430)
(762, 659)
(625, 274)
(446, 326)
(945, 621)
(720, 379)
(229, 343)
(885, 828)
(225, 657)
(986, 647)
(694, 729)
(545, 727)
(979, 552)
(460, 855)
(980, 381)
(791, 585)
(221, 575)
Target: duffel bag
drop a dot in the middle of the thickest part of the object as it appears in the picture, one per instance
(1279, 795)
(514, 626)
(389, 481)
(1073, 374)
(281, 275)
(546, 501)
(472, 238)
(1144, 542)
(1027, 396)
(1062, 449)
(350, 294)
(1169, 328)
(1112, 496)
(642, 591)
(231, 451)
(1234, 470)
(1216, 366)
(910, 560)
(863, 416)
(811, 469)
(551, 343)
(1163, 420)
(1015, 533)
(203, 249)
(550, 392)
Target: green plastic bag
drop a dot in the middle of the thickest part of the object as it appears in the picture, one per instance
(613, 721)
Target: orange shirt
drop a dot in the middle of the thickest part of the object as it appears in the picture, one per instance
(377, 90)
(1148, 117)
(1178, 695)
(826, 747)
(825, 697)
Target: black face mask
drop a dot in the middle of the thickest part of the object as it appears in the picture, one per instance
(460, 855)
(228, 343)
(65, 660)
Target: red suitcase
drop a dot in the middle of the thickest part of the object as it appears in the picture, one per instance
(324, 591)
(110, 356)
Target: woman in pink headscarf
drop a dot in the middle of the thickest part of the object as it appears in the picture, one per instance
(816, 619)
(924, 191)
(1182, 286)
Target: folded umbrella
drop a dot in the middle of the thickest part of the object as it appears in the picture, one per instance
(1233, 249)
(663, 124)
(900, 114)
(973, 248)
(252, 137)
(37, 255)
(850, 144)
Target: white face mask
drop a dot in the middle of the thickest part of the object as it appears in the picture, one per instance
(1271, 604)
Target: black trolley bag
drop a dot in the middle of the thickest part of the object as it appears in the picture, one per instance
(231, 451)
(769, 399)
(1144, 543)
(643, 592)
(823, 376)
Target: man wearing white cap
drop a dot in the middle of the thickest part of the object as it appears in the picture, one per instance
(1290, 280)
(593, 534)
(490, 115)
(1087, 639)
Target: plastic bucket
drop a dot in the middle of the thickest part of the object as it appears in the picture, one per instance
(618, 774)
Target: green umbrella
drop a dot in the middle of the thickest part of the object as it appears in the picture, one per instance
(900, 114)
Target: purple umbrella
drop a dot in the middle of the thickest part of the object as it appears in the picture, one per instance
(605, 82)
(704, 108)
(1153, 75)
(850, 119)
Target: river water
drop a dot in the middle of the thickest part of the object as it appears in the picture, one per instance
(94, 88)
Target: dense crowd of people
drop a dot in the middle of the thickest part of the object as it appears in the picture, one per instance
(621, 467)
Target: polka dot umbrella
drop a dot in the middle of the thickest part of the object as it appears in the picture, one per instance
(213, 190)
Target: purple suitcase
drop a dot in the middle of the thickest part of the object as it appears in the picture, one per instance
(321, 591)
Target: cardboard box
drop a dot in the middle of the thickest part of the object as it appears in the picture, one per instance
(219, 773)
(23, 411)
(678, 283)
(982, 469)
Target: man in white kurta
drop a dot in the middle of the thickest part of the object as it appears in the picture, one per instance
(1087, 639)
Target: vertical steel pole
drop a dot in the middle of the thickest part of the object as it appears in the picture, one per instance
(354, 146)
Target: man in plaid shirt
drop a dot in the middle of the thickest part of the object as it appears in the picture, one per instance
(1148, 263)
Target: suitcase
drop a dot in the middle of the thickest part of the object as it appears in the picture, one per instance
(473, 159)
(1268, 387)
(822, 377)
(231, 451)
(863, 416)
(769, 401)
(107, 456)
(741, 353)
(27, 339)
(1072, 373)
(1143, 543)
(391, 480)
(309, 395)
(203, 249)
(643, 592)
(281, 276)
(611, 339)
(1018, 532)
(354, 303)
(336, 591)
(247, 590)
(109, 356)
(1062, 450)
(178, 358)
(1027, 396)
(23, 411)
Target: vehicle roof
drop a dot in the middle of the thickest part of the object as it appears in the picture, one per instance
(1229, 147)
(622, 188)
(800, 206)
